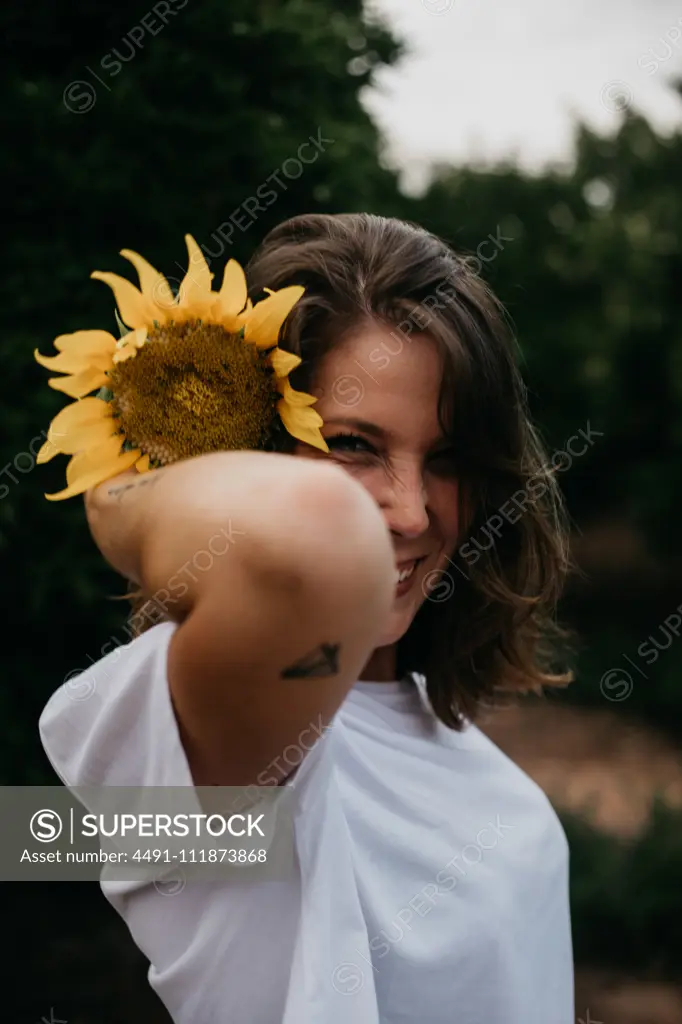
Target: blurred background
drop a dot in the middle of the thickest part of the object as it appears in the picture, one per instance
(542, 139)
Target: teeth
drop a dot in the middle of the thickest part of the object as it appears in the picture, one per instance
(406, 573)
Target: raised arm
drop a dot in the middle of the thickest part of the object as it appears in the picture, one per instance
(291, 581)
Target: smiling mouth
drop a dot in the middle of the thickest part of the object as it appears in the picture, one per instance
(406, 570)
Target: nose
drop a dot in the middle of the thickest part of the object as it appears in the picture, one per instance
(404, 504)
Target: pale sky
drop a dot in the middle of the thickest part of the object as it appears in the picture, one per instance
(487, 79)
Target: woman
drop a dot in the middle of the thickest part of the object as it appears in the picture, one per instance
(392, 588)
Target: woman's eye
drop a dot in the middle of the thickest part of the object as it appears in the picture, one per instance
(349, 443)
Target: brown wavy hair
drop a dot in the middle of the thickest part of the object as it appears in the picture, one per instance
(488, 631)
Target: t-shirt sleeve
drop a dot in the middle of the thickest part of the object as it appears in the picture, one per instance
(215, 948)
(113, 724)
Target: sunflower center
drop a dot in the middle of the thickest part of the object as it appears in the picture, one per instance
(194, 388)
(196, 396)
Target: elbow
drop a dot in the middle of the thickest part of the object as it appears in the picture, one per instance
(329, 527)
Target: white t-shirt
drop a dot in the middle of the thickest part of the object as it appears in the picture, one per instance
(433, 873)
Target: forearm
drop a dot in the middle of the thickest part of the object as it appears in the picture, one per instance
(115, 510)
(279, 571)
(168, 530)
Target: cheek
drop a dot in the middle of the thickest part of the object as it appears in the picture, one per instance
(444, 501)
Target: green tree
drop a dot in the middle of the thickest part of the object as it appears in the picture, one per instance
(131, 127)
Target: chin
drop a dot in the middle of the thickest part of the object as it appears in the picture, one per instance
(397, 626)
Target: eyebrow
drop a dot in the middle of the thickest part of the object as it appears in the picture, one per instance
(371, 428)
(364, 425)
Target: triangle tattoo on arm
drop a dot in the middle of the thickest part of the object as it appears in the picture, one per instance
(323, 661)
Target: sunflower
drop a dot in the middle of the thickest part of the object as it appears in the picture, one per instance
(193, 373)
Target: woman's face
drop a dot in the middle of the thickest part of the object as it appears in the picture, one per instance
(381, 425)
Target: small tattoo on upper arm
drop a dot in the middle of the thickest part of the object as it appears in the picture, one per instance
(323, 661)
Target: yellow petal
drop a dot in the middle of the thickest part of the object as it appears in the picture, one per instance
(87, 410)
(138, 337)
(86, 341)
(64, 362)
(134, 308)
(87, 413)
(232, 295)
(302, 424)
(297, 398)
(87, 436)
(128, 345)
(80, 384)
(194, 295)
(142, 465)
(284, 362)
(264, 322)
(153, 284)
(126, 352)
(82, 480)
(47, 451)
(101, 360)
(79, 350)
(93, 458)
(243, 318)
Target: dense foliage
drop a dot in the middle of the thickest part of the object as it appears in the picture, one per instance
(626, 898)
